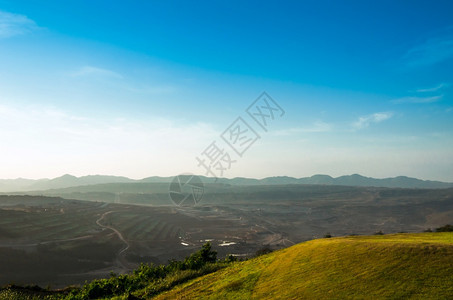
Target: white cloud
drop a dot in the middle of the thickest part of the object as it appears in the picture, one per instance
(44, 141)
(318, 126)
(127, 84)
(433, 89)
(15, 24)
(430, 99)
(153, 90)
(94, 71)
(365, 121)
(432, 51)
(427, 95)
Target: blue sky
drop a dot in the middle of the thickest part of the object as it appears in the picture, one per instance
(143, 88)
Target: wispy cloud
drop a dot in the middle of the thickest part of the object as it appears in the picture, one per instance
(365, 121)
(51, 121)
(318, 126)
(39, 136)
(95, 71)
(431, 51)
(434, 89)
(15, 24)
(430, 99)
(424, 95)
(152, 90)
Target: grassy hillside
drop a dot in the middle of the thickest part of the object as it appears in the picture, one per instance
(418, 266)
(398, 266)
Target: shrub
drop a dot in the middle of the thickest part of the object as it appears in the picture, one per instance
(445, 228)
(146, 281)
(265, 250)
(230, 258)
(198, 259)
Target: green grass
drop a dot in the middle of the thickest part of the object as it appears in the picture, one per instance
(398, 266)
(395, 266)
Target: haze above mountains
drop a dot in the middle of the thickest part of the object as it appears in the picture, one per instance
(66, 181)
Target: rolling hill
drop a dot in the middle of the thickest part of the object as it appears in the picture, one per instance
(398, 266)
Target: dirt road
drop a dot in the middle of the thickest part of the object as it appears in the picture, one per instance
(120, 259)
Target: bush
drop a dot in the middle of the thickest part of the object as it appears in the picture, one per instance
(265, 250)
(198, 259)
(445, 228)
(146, 281)
(230, 258)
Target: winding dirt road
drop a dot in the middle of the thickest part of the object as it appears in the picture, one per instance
(120, 259)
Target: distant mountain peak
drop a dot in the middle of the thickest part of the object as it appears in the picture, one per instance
(68, 180)
(356, 175)
(321, 176)
(66, 176)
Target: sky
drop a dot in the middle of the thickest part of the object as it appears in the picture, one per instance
(155, 88)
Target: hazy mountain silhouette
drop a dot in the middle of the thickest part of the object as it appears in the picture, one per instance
(67, 181)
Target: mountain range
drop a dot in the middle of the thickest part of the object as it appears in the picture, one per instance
(66, 181)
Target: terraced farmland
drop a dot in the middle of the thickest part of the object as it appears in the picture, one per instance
(80, 240)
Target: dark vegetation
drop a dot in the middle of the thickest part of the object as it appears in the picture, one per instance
(146, 281)
(446, 228)
(149, 280)
(265, 250)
